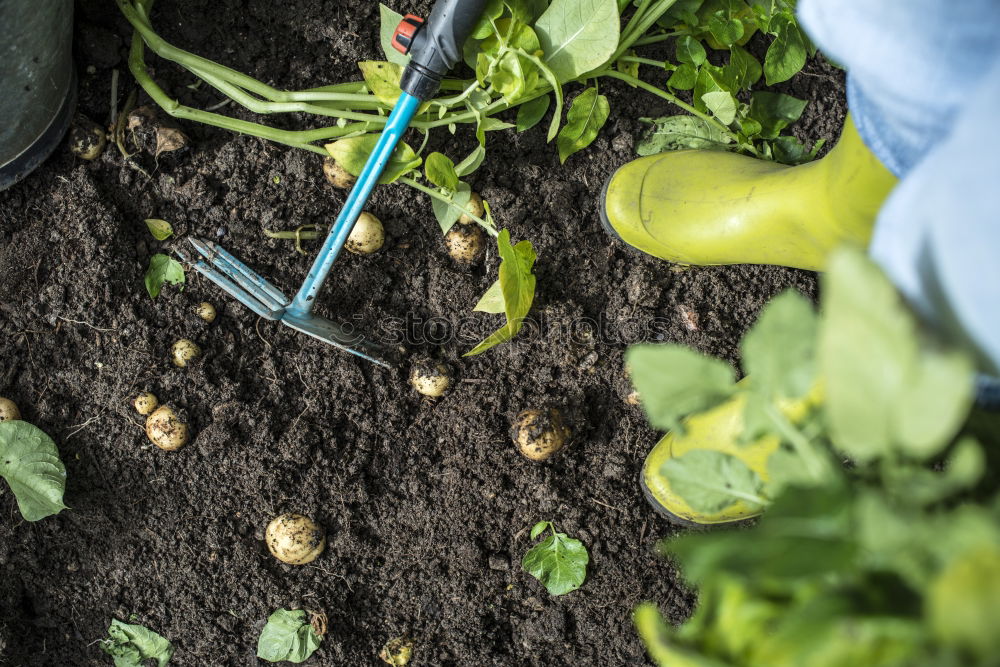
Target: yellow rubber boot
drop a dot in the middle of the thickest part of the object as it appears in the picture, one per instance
(713, 207)
(718, 429)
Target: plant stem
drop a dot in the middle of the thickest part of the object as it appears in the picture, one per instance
(810, 459)
(440, 197)
(653, 39)
(642, 23)
(643, 61)
(673, 99)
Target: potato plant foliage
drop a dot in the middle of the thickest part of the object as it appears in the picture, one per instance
(29, 462)
(891, 560)
(542, 58)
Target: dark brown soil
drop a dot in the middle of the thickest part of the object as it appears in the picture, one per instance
(426, 504)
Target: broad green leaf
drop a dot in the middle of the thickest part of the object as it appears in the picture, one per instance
(963, 603)
(683, 78)
(726, 30)
(162, 269)
(743, 69)
(578, 36)
(789, 150)
(690, 51)
(558, 561)
(447, 214)
(679, 133)
(491, 302)
(628, 67)
(288, 636)
(388, 21)
(160, 229)
(779, 351)
(382, 78)
(514, 75)
(585, 118)
(934, 402)
(352, 153)
(29, 461)
(774, 112)
(722, 105)
(526, 11)
(484, 27)
(710, 481)
(539, 528)
(471, 162)
(710, 80)
(675, 381)
(549, 76)
(518, 286)
(531, 112)
(131, 645)
(661, 646)
(787, 54)
(867, 352)
(440, 171)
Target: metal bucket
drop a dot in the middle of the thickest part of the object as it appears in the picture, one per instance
(37, 82)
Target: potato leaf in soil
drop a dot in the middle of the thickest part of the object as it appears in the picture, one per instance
(160, 229)
(585, 118)
(578, 36)
(162, 269)
(288, 636)
(679, 133)
(352, 154)
(30, 463)
(132, 645)
(517, 285)
(558, 561)
(388, 22)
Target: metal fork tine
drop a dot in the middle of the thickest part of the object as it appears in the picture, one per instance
(241, 274)
(233, 289)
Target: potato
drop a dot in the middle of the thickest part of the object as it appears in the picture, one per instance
(87, 139)
(465, 243)
(295, 539)
(184, 352)
(397, 652)
(205, 311)
(166, 430)
(8, 410)
(367, 236)
(430, 378)
(145, 403)
(539, 433)
(475, 207)
(337, 175)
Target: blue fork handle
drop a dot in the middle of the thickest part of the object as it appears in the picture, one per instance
(406, 107)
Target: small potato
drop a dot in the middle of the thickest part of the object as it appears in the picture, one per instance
(337, 175)
(475, 207)
(397, 652)
(539, 433)
(184, 352)
(295, 539)
(465, 243)
(367, 236)
(430, 378)
(205, 311)
(87, 139)
(145, 403)
(8, 410)
(166, 430)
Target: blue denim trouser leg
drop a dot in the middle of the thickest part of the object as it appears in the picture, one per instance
(924, 91)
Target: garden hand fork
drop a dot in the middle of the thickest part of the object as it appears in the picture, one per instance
(434, 48)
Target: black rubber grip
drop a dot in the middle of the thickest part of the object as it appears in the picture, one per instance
(437, 47)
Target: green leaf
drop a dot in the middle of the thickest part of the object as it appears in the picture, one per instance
(352, 153)
(722, 105)
(578, 36)
(531, 112)
(288, 636)
(471, 162)
(679, 133)
(514, 75)
(726, 30)
(779, 352)
(934, 402)
(774, 112)
(29, 461)
(787, 54)
(710, 80)
(867, 351)
(789, 150)
(440, 171)
(160, 229)
(963, 603)
(388, 21)
(585, 118)
(491, 302)
(549, 76)
(539, 528)
(131, 645)
(675, 381)
(743, 69)
(683, 78)
(518, 286)
(447, 214)
(690, 51)
(162, 269)
(526, 11)
(382, 78)
(710, 481)
(558, 561)
(661, 646)
(484, 27)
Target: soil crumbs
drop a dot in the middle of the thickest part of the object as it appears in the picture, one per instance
(427, 504)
